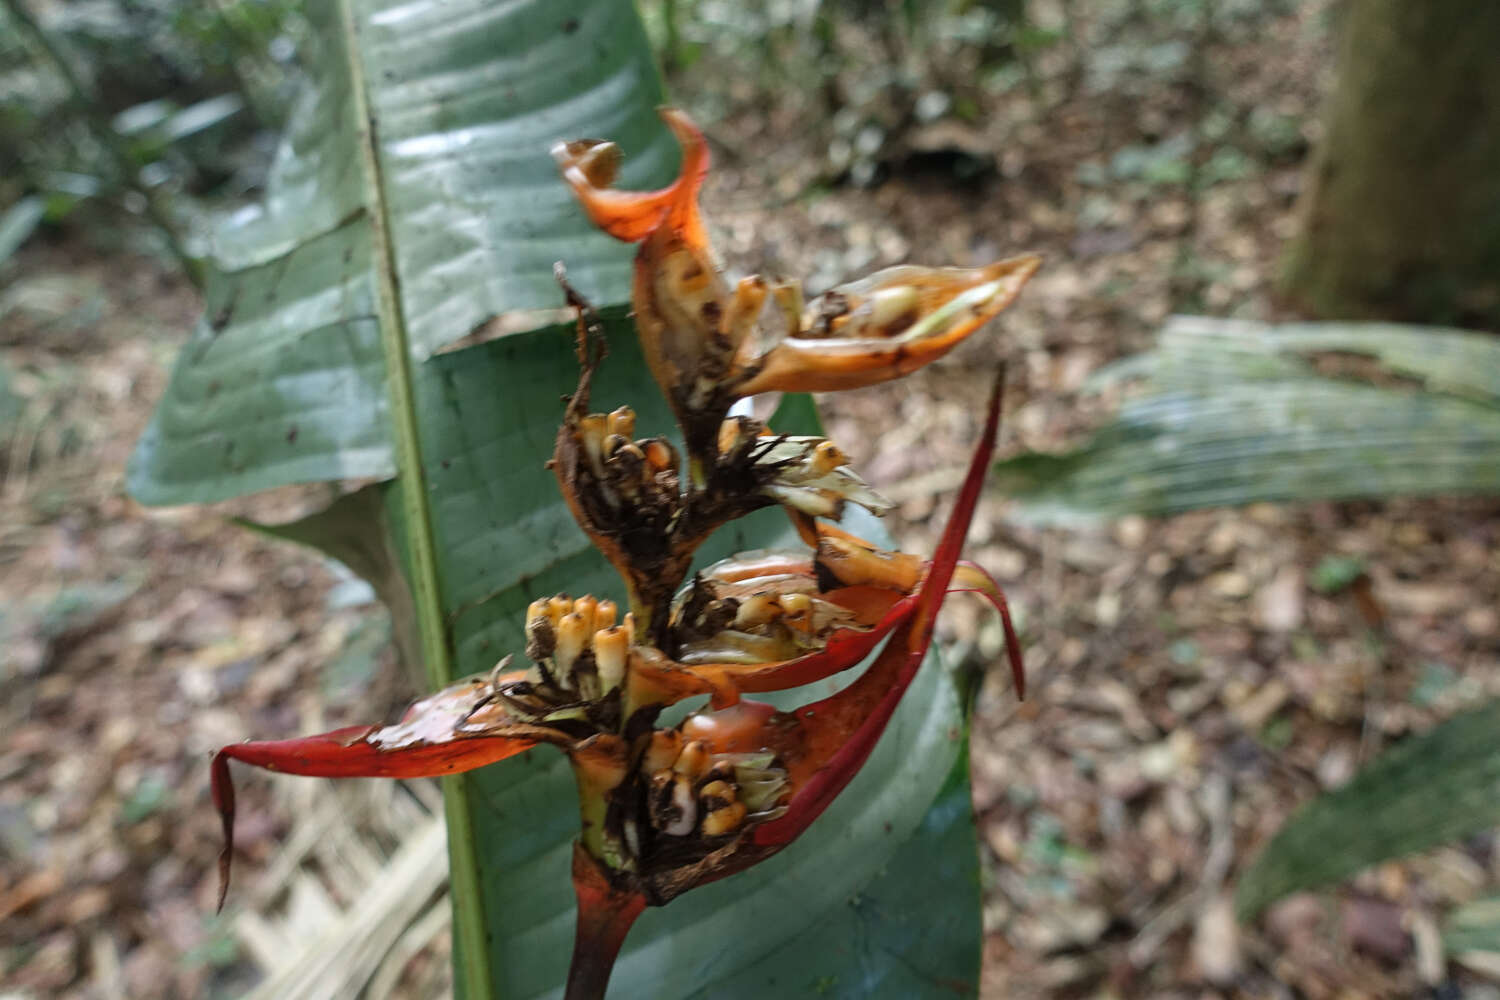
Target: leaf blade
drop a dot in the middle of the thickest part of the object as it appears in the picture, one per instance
(1234, 413)
(1432, 788)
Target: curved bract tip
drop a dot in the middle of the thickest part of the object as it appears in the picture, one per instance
(590, 167)
(437, 736)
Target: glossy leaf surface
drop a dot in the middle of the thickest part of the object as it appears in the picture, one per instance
(1234, 413)
(282, 381)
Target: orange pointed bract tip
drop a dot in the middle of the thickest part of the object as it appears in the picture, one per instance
(590, 166)
(889, 325)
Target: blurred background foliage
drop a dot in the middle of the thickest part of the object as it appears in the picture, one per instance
(107, 104)
(192, 92)
(126, 124)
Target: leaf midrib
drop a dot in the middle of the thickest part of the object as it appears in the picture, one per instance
(472, 972)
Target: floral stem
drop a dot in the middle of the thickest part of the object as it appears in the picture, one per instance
(605, 916)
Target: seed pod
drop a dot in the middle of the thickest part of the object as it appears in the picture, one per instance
(660, 455)
(888, 312)
(591, 431)
(604, 613)
(627, 469)
(674, 810)
(744, 311)
(826, 457)
(541, 639)
(716, 795)
(612, 444)
(758, 609)
(797, 611)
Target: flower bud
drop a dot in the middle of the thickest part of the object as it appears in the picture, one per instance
(611, 646)
(662, 752)
(622, 422)
(572, 634)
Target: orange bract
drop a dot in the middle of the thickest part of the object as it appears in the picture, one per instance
(701, 338)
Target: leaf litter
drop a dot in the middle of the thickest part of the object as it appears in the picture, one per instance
(1197, 677)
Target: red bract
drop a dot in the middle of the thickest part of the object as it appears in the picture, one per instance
(667, 809)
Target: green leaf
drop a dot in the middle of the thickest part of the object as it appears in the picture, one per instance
(18, 222)
(1429, 790)
(1234, 413)
(283, 380)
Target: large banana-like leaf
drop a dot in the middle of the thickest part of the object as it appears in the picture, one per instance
(416, 163)
(413, 201)
(1236, 412)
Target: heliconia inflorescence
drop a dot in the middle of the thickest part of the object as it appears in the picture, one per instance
(667, 809)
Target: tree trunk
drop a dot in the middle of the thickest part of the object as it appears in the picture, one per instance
(1401, 215)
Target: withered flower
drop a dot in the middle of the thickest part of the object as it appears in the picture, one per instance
(709, 345)
(666, 809)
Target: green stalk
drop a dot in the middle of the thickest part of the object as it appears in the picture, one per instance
(472, 969)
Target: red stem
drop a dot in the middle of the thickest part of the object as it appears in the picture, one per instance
(605, 916)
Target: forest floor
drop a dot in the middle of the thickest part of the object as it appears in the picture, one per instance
(1192, 683)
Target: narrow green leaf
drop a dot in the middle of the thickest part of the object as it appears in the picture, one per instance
(1234, 413)
(1432, 788)
(18, 223)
